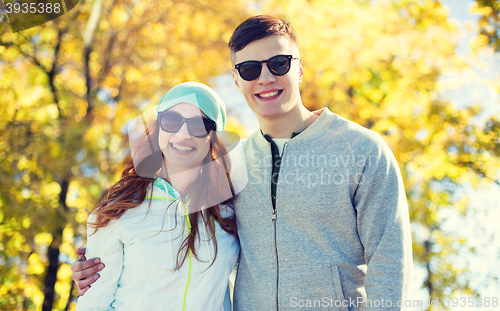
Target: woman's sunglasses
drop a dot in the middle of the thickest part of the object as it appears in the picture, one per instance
(278, 65)
(172, 122)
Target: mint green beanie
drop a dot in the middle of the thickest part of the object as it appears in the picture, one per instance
(199, 95)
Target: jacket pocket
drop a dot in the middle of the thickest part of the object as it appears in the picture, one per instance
(340, 302)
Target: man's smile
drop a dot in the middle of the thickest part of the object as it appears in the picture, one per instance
(269, 95)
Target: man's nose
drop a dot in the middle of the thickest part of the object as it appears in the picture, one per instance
(266, 76)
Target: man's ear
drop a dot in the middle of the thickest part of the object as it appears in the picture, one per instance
(301, 70)
(235, 79)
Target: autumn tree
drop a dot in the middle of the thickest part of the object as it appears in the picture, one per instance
(484, 144)
(489, 22)
(67, 89)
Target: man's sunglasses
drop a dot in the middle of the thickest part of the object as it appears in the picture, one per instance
(172, 122)
(278, 65)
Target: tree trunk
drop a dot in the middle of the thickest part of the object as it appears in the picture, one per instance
(70, 297)
(51, 276)
(53, 250)
(428, 282)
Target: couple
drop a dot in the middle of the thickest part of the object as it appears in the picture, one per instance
(314, 232)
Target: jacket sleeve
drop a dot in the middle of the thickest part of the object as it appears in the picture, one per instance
(105, 244)
(384, 228)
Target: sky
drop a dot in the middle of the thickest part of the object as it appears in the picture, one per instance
(479, 84)
(235, 102)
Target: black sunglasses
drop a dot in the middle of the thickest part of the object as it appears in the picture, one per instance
(172, 122)
(278, 65)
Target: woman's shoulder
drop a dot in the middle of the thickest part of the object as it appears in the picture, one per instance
(139, 210)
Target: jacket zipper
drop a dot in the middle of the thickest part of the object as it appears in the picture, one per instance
(188, 223)
(274, 218)
(189, 259)
(277, 262)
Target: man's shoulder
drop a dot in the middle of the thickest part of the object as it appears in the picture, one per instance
(331, 128)
(251, 139)
(340, 129)
(347, 127)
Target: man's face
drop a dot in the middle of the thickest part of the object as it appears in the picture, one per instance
(270, 96)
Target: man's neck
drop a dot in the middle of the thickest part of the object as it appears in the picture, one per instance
(295, 121)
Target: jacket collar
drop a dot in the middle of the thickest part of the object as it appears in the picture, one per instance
(325, 118)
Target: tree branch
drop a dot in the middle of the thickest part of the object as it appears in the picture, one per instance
(88, 38)
(52, 73)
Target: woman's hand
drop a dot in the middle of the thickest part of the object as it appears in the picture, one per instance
(85, 271)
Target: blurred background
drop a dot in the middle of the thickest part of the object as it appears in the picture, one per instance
(424, 74)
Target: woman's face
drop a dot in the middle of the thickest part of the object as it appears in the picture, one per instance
(181, 150)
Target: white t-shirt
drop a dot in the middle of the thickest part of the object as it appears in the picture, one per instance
(280, 142)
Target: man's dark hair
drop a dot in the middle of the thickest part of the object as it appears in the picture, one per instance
(259, 27)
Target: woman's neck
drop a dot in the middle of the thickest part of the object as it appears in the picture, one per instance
(181, 179)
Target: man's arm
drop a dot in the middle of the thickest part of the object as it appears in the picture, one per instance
(85, 271)
(384, 226)
(105, 243)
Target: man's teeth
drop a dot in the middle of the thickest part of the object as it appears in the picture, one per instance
(182, 148)
(270, 94)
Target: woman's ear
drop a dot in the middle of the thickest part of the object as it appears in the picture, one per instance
(211, 152)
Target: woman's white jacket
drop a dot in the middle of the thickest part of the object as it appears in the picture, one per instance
(139, 251)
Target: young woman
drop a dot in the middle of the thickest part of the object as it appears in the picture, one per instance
(166, 230)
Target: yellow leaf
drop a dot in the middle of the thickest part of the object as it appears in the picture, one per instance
(35, 266)
(43, 238)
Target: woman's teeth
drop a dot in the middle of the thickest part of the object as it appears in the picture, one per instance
(270, 94)
(181, 148)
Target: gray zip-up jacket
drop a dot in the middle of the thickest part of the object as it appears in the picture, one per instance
(340, 236)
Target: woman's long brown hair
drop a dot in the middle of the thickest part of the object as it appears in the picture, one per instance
(131, 190)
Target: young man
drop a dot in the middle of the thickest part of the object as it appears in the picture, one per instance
(323, 221)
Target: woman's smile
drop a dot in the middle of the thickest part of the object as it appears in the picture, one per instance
(182, 148)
